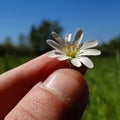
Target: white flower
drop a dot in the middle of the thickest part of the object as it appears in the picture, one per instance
(72, 50)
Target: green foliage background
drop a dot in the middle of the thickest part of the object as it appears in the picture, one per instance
(104, 86)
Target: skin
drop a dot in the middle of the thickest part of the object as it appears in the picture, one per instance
(25, 94)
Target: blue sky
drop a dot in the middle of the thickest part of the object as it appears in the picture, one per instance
(99, 19)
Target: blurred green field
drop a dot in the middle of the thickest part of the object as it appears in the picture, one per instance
(103, 81)
(104, 86)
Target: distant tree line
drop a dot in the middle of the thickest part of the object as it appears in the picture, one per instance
(38, 36)
(110, 49)
(35, 42)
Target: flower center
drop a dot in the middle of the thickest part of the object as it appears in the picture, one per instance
(70, 50)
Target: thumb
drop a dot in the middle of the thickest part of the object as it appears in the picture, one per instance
(62, 96)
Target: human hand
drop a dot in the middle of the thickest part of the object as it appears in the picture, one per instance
(37, 90)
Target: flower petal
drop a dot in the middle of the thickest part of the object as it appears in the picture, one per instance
(86, 61)
(63, 57)
(53, 44)
(88, 52)
(58, 52)
(77, 37)
(76, 62)
(58, 38)
(52, 54)
(68, 37)
(89, 44)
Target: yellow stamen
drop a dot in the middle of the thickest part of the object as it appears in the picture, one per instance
(70, 50)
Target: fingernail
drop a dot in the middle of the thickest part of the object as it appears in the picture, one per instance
(66, 82)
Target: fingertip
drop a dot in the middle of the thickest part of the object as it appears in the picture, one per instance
(67, 82)
(70, 85)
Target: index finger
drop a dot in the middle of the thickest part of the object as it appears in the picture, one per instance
(31, 72)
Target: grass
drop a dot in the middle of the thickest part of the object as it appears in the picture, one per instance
(103, 82)
(104, 86)
(8, 62)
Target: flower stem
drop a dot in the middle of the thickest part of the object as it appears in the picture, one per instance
(69, 62)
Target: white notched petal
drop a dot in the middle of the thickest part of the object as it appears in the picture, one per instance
(88, 52)
(63, 57)
(68, 37)
(52, 55)
(58, 38)
(76, 62)
(53, 44)
(58, 52)
(55, 53)
(89, 44)
(78, 35)
(86, 61)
